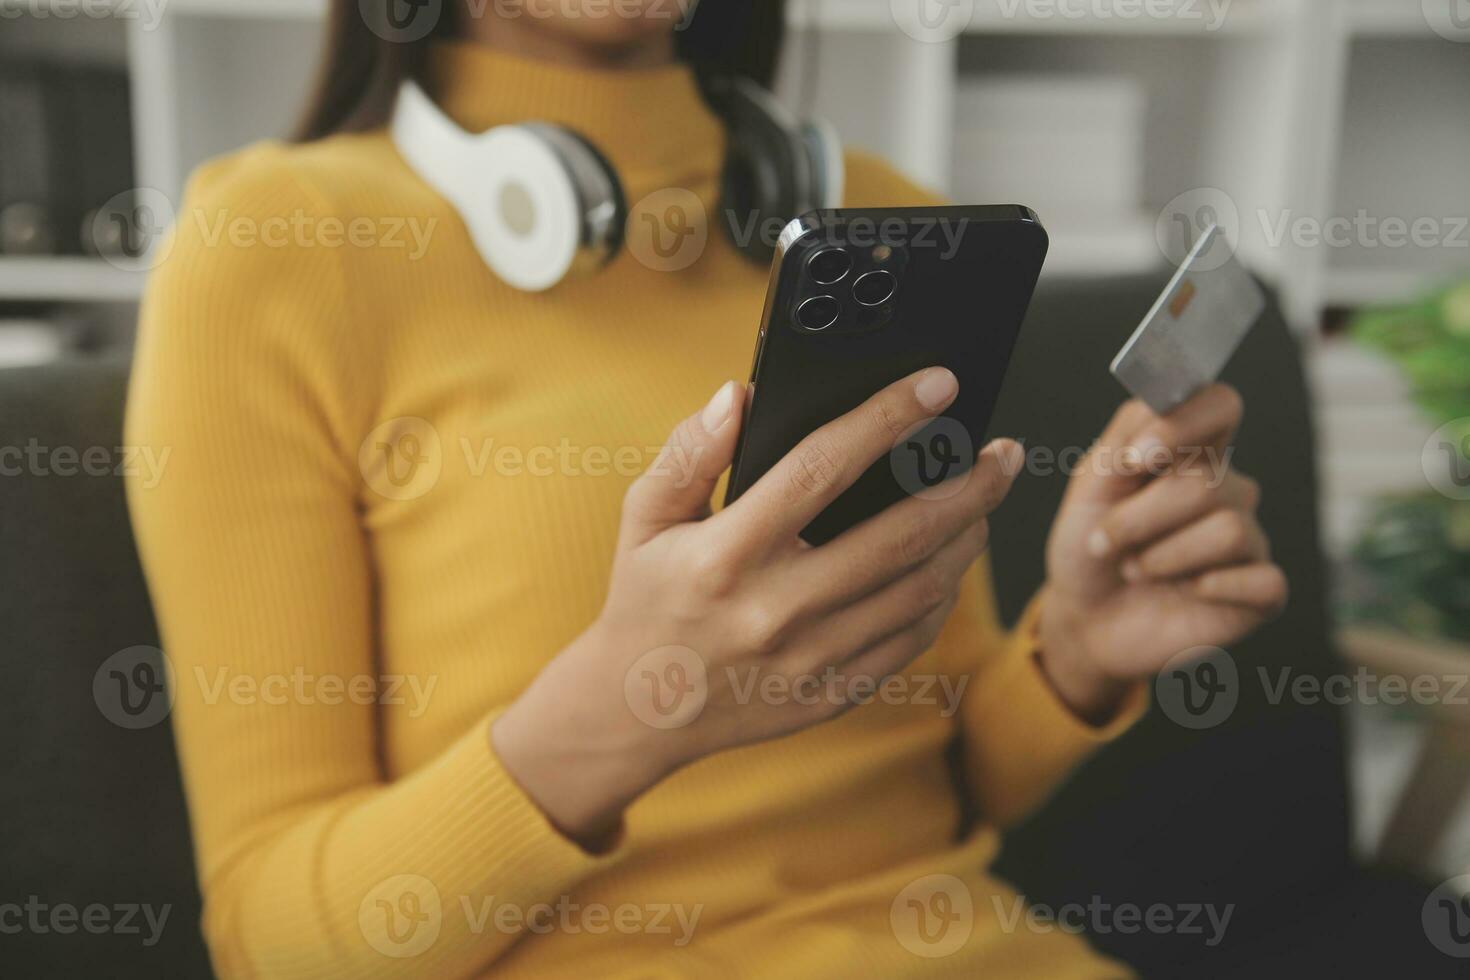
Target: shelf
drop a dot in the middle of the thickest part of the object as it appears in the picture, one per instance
(253, 9)
(70, 9)
(66, 279)
(1044, 17)
(1088, 249)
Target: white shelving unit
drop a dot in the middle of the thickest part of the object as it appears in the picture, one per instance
(71, 278)
(1297, 110)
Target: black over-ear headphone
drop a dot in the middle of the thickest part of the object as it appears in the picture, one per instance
(542, 203)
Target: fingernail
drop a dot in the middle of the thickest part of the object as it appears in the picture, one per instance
(717, 412)
(936, 389)
(1147, 449)
(1012, 456)
(1131, 570)
(1099, 544)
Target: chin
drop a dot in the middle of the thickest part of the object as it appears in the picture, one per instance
(610, 23)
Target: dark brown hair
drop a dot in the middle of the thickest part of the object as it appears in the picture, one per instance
(361, 66)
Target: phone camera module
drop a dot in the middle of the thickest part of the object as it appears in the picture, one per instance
(830, 265)
(874, 288)
(818, 313)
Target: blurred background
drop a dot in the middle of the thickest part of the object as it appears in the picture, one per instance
(1329, 137)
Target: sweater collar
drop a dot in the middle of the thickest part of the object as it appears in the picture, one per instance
(649, 120)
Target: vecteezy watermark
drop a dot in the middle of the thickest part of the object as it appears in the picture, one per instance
(299, 686)
(669, 687)
(1184, 219)
(933, 460)
(668, 229)
(133, 688)
(837, 689)
(1189, 215)
(145, 464)
(130, 231)
(1364, 686)
(411, 234)
(1364, 230)
(148, 14)
(912, 234)
(1446, 917)
(1201, 688)
(932, 21)
(40, 918)
(1209, 15)
(933, 916)
(1099, 917)
(1446, 459)
(136, 688)
(402, 917)
(680, 12)
(1209, 462)
(404, 458)
(1450, 19)
(1198, 688)
(401, 21)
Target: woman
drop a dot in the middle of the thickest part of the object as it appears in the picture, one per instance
(408, 662)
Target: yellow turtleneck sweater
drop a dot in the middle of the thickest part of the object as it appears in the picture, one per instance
(392, 496)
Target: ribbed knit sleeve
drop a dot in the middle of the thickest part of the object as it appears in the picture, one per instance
(1020, 739)
(312, 863)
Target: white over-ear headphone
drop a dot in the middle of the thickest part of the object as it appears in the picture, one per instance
(541, 203)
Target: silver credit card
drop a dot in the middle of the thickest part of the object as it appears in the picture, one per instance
(1194, 329)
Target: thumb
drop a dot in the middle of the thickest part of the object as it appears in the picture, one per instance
(676, 488)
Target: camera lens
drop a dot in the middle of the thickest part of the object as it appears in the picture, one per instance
(829, 265)
(874, 288)
(818, 313)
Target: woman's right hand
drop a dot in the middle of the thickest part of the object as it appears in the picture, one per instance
(699, 605)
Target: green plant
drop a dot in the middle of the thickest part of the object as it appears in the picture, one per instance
(1412, 560)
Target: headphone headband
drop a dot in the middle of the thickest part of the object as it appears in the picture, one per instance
(541, 203)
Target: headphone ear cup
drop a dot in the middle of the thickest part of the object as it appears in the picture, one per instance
(552, 206)
(604, 206)
(828, 167)
(767, 174)
(539, 202)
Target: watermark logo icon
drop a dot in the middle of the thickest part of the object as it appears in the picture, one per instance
(133, 688)
(1450, 19)
(130, 231)
(401, 21)
(667, 687)
(1446, 459)
(1188, 216)
(932, 21)
(401, 916)
(402, 459)
(1199, 687)
(933, 916)
(668, 230)
(933, 459)
(1446, 917)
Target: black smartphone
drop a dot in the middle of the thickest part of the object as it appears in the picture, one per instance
(859, 298)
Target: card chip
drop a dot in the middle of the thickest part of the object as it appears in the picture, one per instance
(1182, 298)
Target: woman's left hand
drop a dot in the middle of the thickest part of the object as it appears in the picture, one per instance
(1156, 550)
